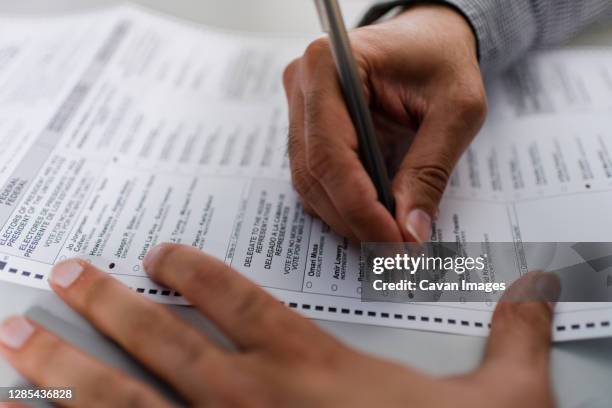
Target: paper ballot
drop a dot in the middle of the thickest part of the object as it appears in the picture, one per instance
(121, 129)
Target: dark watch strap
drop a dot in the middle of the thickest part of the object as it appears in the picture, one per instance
(377, 11)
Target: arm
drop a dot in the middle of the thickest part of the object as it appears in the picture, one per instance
(506, 30)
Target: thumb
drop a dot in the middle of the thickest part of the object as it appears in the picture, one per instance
(426, 169)
(521, 326)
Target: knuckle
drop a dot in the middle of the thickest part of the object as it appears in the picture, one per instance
(125, 390)
(357, 211)
(209, 277)
(532, 315)
(436, 177)
(354, 214)
(503, 312)
(316, 49)
(134, 396)
(289, 73)
(141, 324)
(254, 392)
(313, 111)
(471, 105)
(47, 353)
(295, 148)
(98, 293)
(317, 60)
(103, 376)
(319, 162)
(251, 304)
(303, 183)
(430, 180)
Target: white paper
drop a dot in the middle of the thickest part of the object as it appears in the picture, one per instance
(120, 129)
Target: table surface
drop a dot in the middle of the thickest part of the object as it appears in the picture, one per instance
(581, 369)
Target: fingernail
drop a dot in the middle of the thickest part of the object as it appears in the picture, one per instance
(66, 273)
(152, 256)
(548, 287)
(418, 224)
(15, 331)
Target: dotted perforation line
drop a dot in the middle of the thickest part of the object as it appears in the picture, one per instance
(578, 326)
(24, 273)
(158, 292)
(385, 315)
(426, 318)
(38, 276)
(333, 309)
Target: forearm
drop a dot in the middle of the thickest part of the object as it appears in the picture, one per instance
(506, 30)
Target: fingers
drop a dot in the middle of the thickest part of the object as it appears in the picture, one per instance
(172, 349)
(47, 361)
(446, 131)
(521, 326)
(248, 315)
(330, 150)
(313, 196)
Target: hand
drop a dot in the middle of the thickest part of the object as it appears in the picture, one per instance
(282, 359)
(420, 74)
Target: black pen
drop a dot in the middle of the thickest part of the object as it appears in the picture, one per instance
(369, 150)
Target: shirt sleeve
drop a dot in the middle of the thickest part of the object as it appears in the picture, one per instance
(506, 30)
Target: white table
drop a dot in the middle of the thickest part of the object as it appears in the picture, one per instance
(582, 371)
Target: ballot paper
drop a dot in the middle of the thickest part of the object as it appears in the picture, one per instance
(121, 128)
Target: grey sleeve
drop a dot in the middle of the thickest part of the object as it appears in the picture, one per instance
(507, 29)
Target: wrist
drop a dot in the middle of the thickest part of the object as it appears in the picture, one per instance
(452, 22)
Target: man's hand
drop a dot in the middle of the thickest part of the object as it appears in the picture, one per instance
(421, 77)
(281, 359)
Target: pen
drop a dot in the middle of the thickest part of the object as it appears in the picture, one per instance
(369, 150)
